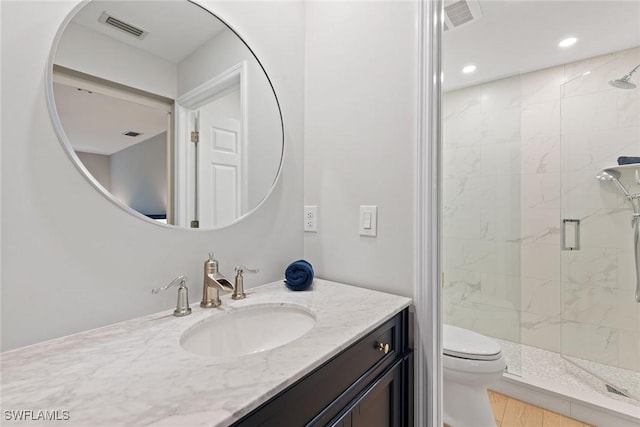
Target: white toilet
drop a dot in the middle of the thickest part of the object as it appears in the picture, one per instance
(471, 363)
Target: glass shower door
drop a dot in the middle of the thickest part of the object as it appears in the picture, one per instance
(481, 212)
(599, 316)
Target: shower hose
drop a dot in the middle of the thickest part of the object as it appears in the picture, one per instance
(636, 237)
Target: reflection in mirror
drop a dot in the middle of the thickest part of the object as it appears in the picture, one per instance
(167, 111)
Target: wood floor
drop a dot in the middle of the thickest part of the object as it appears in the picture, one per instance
(510, 412)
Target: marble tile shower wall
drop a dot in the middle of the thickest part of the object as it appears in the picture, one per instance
(520, 154)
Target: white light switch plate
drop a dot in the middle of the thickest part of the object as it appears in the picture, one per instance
(368, 221)
(311, 219)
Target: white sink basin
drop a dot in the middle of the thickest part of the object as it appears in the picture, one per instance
(249, 330)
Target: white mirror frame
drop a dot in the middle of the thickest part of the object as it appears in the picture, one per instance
(187, 100)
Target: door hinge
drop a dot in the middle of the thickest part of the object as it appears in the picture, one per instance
(195, 224)
(195, 136)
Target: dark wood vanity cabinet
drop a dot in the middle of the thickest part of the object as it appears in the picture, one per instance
(380, 406)
(367, 385)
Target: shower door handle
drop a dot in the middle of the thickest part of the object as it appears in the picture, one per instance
(570, 234)
(636, 238)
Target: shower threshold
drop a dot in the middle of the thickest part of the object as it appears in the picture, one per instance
(568, 386)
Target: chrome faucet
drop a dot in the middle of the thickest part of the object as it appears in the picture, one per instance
(214, 282)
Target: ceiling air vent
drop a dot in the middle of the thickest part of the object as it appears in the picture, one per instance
(132, 133)
(460, 12)
(110, 20)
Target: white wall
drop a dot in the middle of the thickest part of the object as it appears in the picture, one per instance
(360, 130)
(138, 178)
(71, 260)
(99, 165)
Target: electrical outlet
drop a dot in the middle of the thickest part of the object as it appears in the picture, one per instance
(311, 219)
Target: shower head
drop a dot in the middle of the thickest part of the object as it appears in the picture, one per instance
(608, 175)
(623, 82)
(613, 175)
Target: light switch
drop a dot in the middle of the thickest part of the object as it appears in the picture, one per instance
(368, 221)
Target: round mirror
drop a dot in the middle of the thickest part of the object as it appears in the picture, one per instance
(166, 111)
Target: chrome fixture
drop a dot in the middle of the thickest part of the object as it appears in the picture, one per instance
(614, 175)
(238, 290)
(214, 282)
(634, 200)
(182, 306)
(623, 82)
(570, 235)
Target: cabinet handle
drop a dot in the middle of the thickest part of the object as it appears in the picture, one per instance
(382, 347)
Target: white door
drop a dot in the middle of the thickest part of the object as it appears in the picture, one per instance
(219, 170)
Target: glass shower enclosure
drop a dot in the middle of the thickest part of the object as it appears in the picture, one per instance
(538, 252)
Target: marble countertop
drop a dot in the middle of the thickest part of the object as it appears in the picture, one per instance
(135, 373)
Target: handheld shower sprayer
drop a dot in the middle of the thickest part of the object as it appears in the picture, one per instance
(623, 82)
(614, 175)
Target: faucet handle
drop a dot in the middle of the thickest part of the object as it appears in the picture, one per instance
(178, 280)
(239, 269)
(238, 288)
(182, 305)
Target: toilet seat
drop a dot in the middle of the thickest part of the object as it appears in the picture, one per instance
(464, 344)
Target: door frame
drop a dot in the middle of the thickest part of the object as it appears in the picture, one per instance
(428, 218)
(185, 151)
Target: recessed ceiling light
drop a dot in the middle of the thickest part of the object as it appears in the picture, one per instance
(569, 41)
(469, 69)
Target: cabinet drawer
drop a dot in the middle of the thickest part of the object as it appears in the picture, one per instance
(327, 390)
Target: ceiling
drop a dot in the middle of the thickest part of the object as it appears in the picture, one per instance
(96, 123)
(175, 28)
(517, 36)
